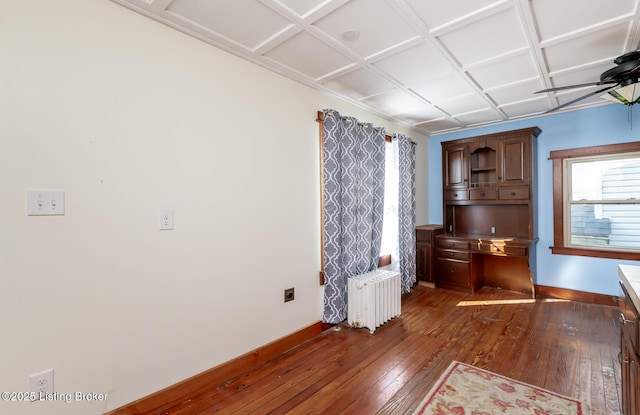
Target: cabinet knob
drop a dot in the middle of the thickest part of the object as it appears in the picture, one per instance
(450, 253)
(513, 193)
(451, 244)
(451, 271)
(455, 195)
(483, 194)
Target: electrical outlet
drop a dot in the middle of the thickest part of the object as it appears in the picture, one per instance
(165, 219)
(41, 384)
(289, 295)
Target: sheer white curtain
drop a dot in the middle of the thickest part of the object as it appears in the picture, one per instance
(398, 231)
(391, 200)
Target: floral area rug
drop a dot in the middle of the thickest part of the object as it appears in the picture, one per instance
(467, 390)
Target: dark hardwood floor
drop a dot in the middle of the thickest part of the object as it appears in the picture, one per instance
(568, 347)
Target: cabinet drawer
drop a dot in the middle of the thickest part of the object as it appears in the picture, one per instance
(423, 235)
(516, 250)
(514, 193)
(482, 194)
(456, 195)
(449, 254)
(453, 272)
(453, 244)
(502, 249)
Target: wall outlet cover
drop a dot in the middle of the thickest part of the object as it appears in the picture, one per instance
(165, 219)
(41, 385)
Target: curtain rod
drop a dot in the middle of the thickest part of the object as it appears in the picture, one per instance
(320, 119)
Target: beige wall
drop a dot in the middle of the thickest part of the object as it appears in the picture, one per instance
(128, 117)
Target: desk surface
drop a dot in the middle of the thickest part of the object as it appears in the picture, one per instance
(502, 239)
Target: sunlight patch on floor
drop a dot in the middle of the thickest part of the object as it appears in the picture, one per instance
(518, 301)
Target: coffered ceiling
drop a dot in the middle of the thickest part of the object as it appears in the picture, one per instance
(433, 65)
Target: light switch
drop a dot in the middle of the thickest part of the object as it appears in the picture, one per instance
(45, 202)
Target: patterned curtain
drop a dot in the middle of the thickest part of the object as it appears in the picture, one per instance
(407, 211)
(353, 178)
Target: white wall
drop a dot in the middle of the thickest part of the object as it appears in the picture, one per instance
(128, 117)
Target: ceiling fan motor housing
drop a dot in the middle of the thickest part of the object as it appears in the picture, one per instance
(631, 56)
(624, 72)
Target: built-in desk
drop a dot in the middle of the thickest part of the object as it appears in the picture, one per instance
(488, 209)
(466, 262)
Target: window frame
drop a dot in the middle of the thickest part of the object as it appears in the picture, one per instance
(559, 209)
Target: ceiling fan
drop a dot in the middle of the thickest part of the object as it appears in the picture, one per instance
(621, 82)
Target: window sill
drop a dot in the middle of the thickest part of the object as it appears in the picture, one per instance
(561, 250)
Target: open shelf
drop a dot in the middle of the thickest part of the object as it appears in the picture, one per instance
(483, 167)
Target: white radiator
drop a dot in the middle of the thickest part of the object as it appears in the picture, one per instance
(373, 298)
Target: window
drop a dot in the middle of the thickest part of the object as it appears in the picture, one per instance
(391, 187)
(597, 201)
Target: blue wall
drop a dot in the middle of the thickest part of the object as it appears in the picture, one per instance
(606, 124)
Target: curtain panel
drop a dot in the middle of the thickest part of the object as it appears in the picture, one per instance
(353, 192)
(406, 210)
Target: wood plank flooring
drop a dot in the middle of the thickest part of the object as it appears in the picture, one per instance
(568, 347)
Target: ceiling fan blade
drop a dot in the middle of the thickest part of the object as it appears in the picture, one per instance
(561, 88)
(590, 94)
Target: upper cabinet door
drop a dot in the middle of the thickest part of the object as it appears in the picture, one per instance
(515, 163)
(454, 166)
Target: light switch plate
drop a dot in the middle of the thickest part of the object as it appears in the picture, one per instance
(45, 202)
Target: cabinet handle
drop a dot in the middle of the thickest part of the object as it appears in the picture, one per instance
(622, 359)
(624, 320)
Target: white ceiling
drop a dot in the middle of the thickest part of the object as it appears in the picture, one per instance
(433, 65)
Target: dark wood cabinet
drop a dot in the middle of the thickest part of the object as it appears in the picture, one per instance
(489, 167)
(629, 354)
(454, 265)
(425, 252)
(630, 377)
(488, 204)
